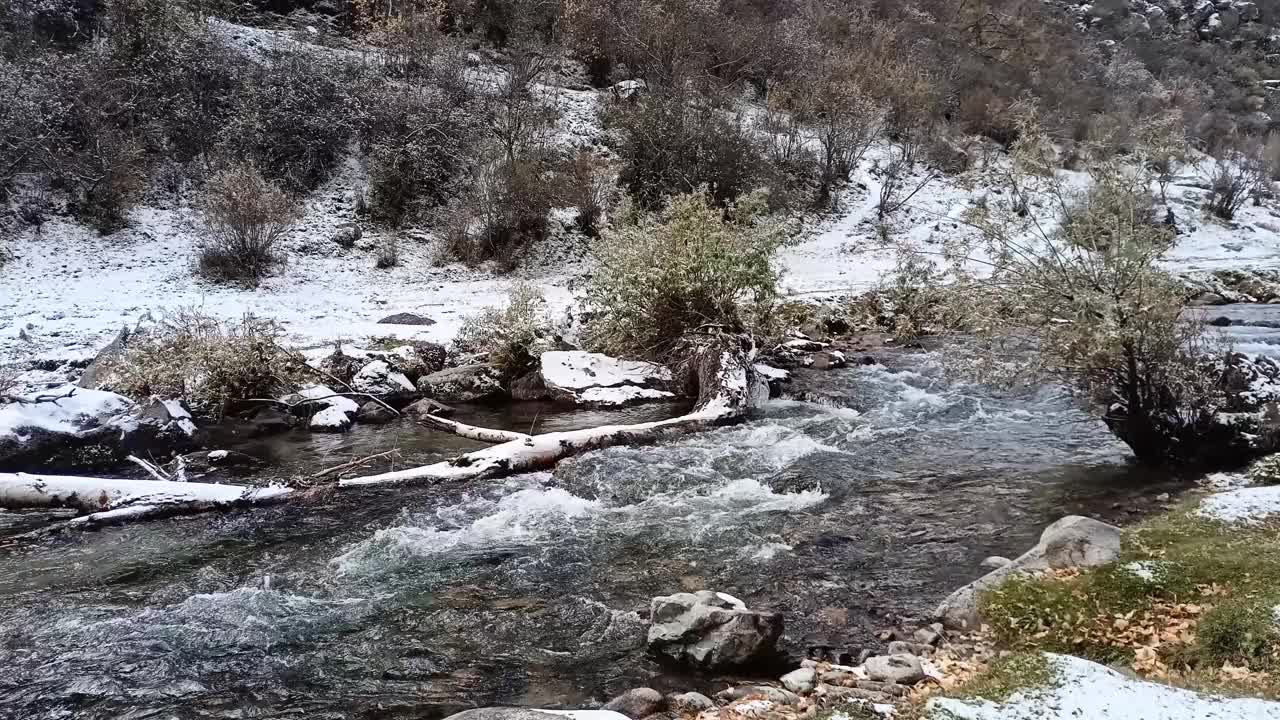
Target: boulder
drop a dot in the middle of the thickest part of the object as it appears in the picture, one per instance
(637, 703)
(711, 630)
(406, 318)
(98, 374)
(900, 669)
(327, 410)
(585, 378)
(266, 420)
(800, 681)
(465, 383)
(72, 428)
(427, 406)
(347, 235)
(377, 378)
(416, 358)
(1073, 541)
(375, 413)
(343, 363)
(529, 387)
(689, 703)
(994, 561)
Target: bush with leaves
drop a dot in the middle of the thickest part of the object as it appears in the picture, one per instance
(1086, 302)
(246, 216)
(671, 144)
(689, 268)
(510, 338)
(208, 363)
(417, 140)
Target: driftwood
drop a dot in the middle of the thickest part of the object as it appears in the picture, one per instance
(727, 388)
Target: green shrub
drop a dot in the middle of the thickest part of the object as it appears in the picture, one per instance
(208, 363)
(512, 337)
(1241, 631)
(691, 267)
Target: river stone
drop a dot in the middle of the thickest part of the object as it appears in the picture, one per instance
(377, 378)
(427, 406)
(711, 630)
(465, 383)
(902, 669)
(1073, 541)
(529, 387)
(375, 413)
(689, 703)
(637, 703)
(799, 681)
(994, 561)
(900, 647)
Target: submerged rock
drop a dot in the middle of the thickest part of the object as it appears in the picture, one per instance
(711, 630)
(375, 413)
(1073, 541)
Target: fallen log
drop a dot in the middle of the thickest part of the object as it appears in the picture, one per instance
(113, 499)
(728, 387)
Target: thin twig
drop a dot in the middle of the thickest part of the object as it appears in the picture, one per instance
(354, 463)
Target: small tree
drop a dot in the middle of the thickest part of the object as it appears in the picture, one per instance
(1085, 301)
(689, 268)
(1237, 176)
(246, 216)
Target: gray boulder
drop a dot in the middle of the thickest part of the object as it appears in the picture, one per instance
(465, 383)
(405, 318)
(378, 378)
(800, 681)
(711, 630)
(901, 669)
(690, 703)
(514, 713)
(637, 703)
(1073, 541)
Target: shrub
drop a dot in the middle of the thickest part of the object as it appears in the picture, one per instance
(1237, 177)
(246, 216)
(1240, 631)
(671, 144)
(504, 211)
(690, 267)
(417, 141)
(388, 253)
(1087, 303)
(292, 119)
(208, 363)
(511, 338)
(588, 187)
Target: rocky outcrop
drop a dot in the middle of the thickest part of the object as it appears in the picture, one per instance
(325, 409)
(465, 383)
(711, 630)
(584, 378)
(1073, 541)
(74, 428)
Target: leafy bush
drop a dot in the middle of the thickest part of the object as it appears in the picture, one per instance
(417, 143)
(690, 267)
(505, 210)
(672, 144)
(512, 337)
(246, 216)
(293, 118)
(208, 363)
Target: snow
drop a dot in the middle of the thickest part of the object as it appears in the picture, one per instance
(331, 418)
(623, 395)
(577, 370)
(1245, 505)
(377, 378)
(64, 415)
(770, 372)
(1089, 691)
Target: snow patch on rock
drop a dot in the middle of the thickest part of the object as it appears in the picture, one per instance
(65, 414)
(595, 379)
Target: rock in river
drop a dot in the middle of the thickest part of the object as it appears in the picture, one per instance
(711, 630)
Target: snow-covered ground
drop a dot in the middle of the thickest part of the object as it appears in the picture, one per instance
(1089, 691)
(69, 290)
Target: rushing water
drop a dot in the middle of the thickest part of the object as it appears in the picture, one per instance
(413, 602)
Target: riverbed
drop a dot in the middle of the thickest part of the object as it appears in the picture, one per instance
(865, 503)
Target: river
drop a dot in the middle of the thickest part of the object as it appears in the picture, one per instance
(413, 602)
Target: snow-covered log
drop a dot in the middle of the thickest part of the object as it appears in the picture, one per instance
(112, 500)
(470, 432)
(727, 385)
